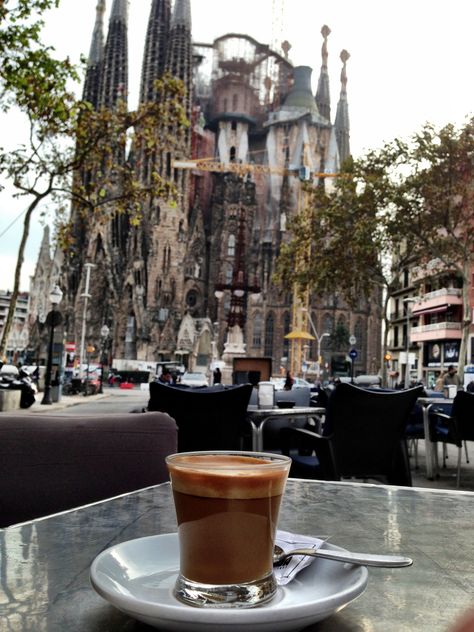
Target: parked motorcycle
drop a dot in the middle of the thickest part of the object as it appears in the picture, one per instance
(23, 383)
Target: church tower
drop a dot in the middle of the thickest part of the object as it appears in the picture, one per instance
(114, 85)
(323, 96)
(156, 284)
(156, 45)
(92, 83)
(180, 49)
(342, 115)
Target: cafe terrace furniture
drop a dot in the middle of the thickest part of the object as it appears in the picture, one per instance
(259, 418)
(299, 396)
(456, 427)
(52, 463)
(212, 418)
(429, 404)
(415, 429)
(45, 564)
(364, 437)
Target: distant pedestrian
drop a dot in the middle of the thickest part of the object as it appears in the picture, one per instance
(217, 375)
(451, 378)
(165, 377)
(439, 384)
(289, 381)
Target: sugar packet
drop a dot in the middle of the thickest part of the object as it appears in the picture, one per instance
(288, 570)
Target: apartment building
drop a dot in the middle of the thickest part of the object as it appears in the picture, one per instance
(426, 321)
(18, 339)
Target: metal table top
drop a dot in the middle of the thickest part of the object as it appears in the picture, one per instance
(44, 575)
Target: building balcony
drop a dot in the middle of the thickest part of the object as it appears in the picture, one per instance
(436, 331)
(437, 301)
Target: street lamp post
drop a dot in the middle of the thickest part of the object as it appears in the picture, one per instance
(319, 339)
(55, 298)
(104, 333)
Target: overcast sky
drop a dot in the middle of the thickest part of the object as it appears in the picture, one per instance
(411, 62)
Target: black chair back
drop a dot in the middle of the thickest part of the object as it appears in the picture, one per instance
(207, 418)
(463, 414)
(366, 429)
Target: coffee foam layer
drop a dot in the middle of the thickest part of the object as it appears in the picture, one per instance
(227, 476)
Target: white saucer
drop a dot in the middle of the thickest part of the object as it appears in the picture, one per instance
(138, 576)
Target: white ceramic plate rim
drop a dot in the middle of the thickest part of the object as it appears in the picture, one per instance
(284, 607)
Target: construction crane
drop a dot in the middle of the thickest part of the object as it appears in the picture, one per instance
(299, 334)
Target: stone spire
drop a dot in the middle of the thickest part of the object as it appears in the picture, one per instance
(154, 56)
(342, 115)
(182, 14)
(115, 65)
(179, 57)
(323, 97)
(94, 62)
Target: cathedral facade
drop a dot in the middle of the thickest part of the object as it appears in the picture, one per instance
(176, 286)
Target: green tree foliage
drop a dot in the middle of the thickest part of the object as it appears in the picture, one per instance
(31, 78)
(408, 203)
(68, 139)
(75, 159)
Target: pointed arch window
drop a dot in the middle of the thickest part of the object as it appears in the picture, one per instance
(257, 331)
(228, 274)
(231, 246)
(269, 329)
(232, 154)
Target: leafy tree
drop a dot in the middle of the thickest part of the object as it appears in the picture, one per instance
(408, 203)
(31, 78)
(438, 199)
(45, 167)
(339, 339)
(349, 236)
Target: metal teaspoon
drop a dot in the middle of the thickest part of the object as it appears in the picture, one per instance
(364, 559)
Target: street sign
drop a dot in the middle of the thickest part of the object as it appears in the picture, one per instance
(353, 354)
(304, 367)
(352, 340)
(70, 347)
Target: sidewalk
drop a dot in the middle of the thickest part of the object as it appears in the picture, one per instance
(66, 402)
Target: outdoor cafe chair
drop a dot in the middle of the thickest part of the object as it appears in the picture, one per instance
(415, 429)
(455, 428)
(52, 463)
(363, 437)
(212, 418)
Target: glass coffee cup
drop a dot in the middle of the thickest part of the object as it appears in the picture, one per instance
(227, 505)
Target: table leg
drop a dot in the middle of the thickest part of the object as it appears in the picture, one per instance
(259, 437)
(428, 444)
(254, 435)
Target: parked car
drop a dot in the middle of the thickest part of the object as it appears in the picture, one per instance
(9, 369)
(194, 379)
(298, 382)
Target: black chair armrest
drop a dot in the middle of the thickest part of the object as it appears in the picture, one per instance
(307, 442)
(450, 423)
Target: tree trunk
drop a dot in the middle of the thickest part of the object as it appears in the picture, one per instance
(19, 265)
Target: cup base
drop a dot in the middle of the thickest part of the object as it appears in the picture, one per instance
(246, 595)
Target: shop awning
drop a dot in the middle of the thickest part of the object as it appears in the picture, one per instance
(431, 310)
